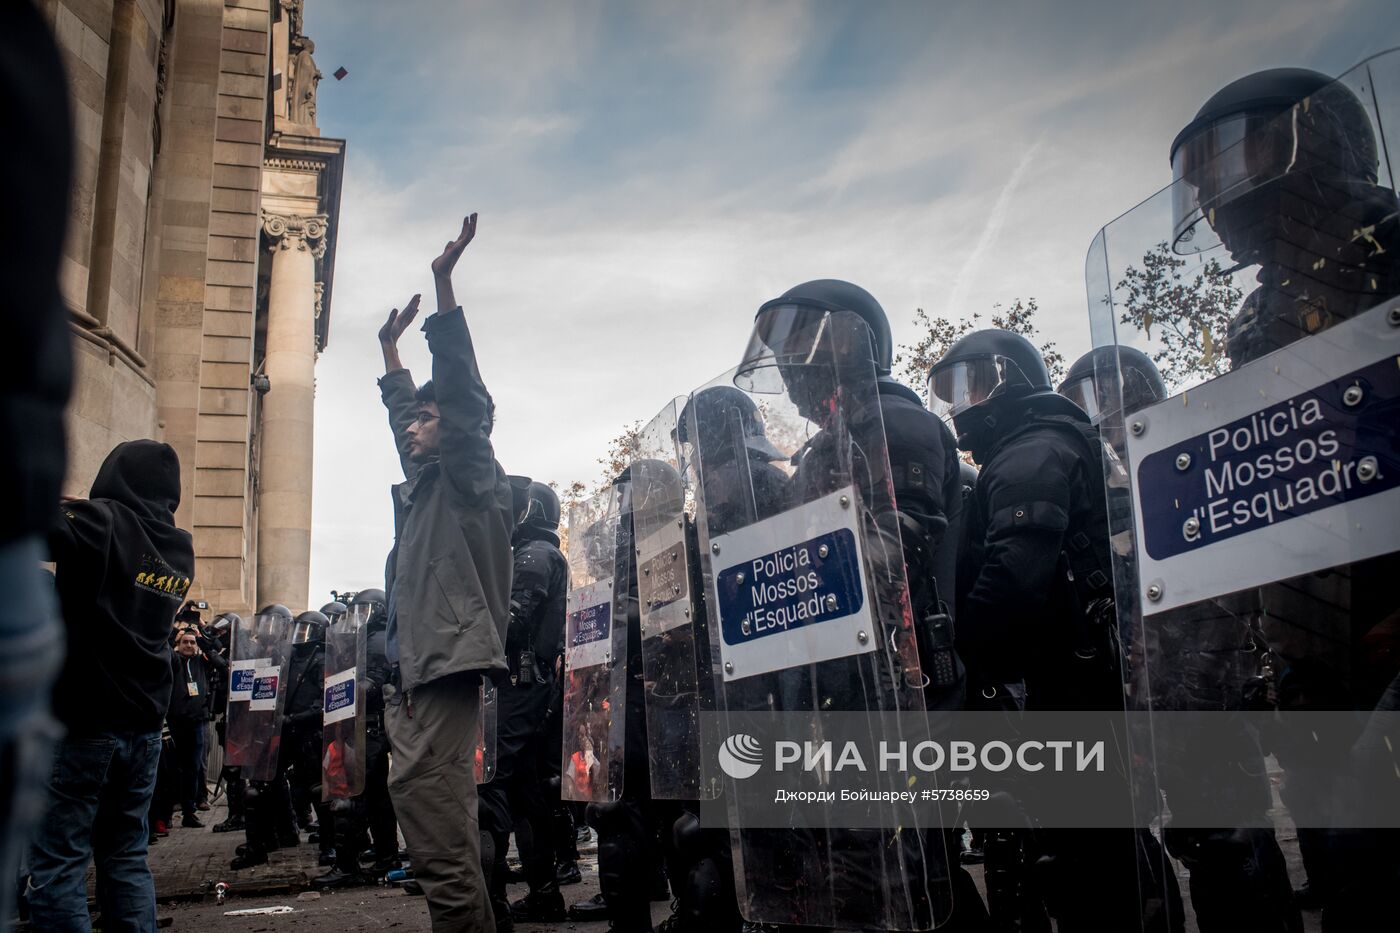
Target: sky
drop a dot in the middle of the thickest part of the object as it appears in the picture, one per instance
(647, 174)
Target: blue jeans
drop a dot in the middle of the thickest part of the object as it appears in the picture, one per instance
(99, 796)
(31, 649)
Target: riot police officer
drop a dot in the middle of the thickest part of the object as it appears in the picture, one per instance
(923, 463)
(1284, 167)
(1034, 597)
(516, 794)
(301, 724)
(628, 852)
(221, 633)
(924, 474)
(269, 821)
(370, 815)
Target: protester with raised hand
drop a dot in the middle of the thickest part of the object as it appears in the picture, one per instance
(449, 582)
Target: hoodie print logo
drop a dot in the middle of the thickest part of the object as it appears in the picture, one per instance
(156, 576)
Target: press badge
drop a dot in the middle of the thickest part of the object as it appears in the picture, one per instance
(192, 688)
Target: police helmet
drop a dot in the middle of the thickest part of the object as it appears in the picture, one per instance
(790, 322)
(656, 487)
(333, 610)
(1141, 381)
(718, 419)
(225, 621)
(309, 627)
(985, 367)
(542, 510)
(272, 620)
(1264, 127)
(372, 604)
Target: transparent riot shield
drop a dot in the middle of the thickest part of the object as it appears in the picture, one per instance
(1262, 526)
(809, 610)
(485, 761)
(595, 648)
(257, 693)
(675, 647)
(343, 705)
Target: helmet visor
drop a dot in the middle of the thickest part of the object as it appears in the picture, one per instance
(304, 632)
(1225, 160)
(359, 615)
(1085, 393)
(783, 335)
(955, 388)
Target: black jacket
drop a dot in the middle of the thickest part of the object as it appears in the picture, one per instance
(204, 677)
(306, 678)
(1018, 610)
(122, 571)
(34, 382)
(539, 589)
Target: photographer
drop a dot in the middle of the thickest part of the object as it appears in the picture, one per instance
(196, 666)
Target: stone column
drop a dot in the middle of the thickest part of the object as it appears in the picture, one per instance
(284, 476)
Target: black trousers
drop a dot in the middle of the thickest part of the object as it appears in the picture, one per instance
(189, 737)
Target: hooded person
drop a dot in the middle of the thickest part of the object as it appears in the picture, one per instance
(122, 569)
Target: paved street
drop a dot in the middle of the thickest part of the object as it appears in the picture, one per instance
(190, 862)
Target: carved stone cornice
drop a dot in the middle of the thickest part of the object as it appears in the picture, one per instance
(296, 231)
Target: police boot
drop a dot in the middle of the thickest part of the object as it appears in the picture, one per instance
(621, 863)
(255, 846)
(542, 905)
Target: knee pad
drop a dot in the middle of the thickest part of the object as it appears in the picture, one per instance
(606, 817)
(687, 837)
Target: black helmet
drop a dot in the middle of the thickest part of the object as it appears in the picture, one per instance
(273, 619)
(1141, 381)
(656, 487)
(375, 602)
(310, 627)
(718, 419)
(225, 621)
(789, 315)
(542, 508)
(333, 610)
(1268, 126)
(984, 367)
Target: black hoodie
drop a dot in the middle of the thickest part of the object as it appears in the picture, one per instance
(122, 571)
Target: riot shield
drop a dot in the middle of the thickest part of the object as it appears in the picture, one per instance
(485, 760)
(675, 648)
(1262, 515)
(595, 648)
(257, 692)
(343, 705)
(809, 610)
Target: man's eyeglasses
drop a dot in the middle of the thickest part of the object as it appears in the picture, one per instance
(424, 417)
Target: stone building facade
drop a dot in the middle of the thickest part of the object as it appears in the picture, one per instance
(199, 265)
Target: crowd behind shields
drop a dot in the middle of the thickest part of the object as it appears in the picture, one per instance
(1007, 572)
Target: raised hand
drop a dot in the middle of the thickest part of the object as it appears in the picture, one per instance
(393, 329)
(398, 322)
(444, 264)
